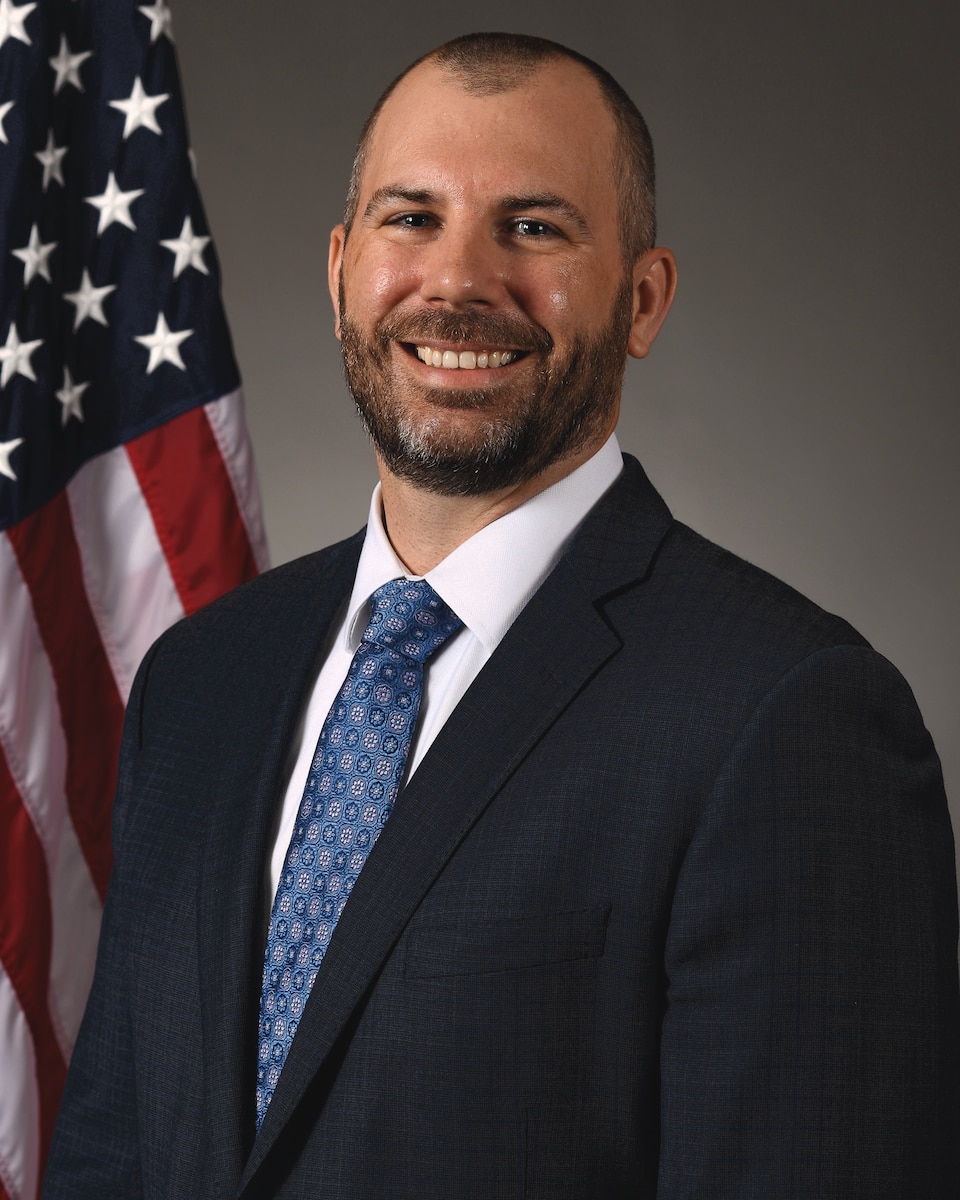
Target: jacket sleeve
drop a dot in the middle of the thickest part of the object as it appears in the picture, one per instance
(810, 1043)
(95, 1143)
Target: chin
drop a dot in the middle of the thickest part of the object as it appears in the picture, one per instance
(454, 458)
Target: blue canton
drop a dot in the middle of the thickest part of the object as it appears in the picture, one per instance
(354, 779)
(111, 321)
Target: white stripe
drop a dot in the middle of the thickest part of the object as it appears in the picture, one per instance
(35, 748)
(19, 1099)
(76, 913)
(230, 431)
(128, 582)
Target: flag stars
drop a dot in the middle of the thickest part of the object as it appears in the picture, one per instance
(6, 449)
(140, 109)
(67, 66)
(114, 205)
(89, 301)
(35, 257)
(15, 357)
(12, 17)
(161, 20)
(51, 160)
(69, 396)
(4, 109)
(188, 250)
(163, 344)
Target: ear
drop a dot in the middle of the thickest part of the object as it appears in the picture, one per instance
(338, 237)
(654, 284)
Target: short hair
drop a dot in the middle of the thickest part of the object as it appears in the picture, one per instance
(488, 63)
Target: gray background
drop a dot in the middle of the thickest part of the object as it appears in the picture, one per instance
(800, 406)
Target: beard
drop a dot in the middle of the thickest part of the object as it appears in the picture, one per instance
(530, 424)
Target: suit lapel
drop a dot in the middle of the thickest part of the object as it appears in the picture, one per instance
(556, 645)
(229, 896)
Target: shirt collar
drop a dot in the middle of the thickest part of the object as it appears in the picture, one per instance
(489, 579)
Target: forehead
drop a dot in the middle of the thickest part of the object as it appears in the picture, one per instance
(552, 131)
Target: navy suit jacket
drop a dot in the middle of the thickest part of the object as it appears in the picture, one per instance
(668, 909)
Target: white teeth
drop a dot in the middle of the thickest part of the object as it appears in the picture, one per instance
(466, 360)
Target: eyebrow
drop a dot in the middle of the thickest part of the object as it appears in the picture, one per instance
(545, 201)
(394, 193)
(550, 203)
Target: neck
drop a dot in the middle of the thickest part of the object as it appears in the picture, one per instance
(424, 527)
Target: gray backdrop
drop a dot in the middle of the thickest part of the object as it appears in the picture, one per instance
(800, 406)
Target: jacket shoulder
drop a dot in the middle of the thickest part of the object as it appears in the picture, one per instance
(659, 580)
(720, 592)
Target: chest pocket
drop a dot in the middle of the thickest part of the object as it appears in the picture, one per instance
(474, 945)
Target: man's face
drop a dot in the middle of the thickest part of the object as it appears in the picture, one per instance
(484, 305)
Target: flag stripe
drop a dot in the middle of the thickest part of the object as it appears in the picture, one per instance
(50, 563)
(34, 744)
(128, 582)
(25, 943)
(229, 428)
(31, 732)
(76, 911)
(190, 494)
(19, 1124)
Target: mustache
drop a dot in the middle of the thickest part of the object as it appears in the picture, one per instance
(495, 329)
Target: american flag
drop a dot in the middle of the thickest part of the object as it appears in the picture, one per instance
(127, 491)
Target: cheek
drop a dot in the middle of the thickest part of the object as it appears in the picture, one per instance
(576, 300)
(379, 282)
(384, 283)
(557, 299)
(560, 301)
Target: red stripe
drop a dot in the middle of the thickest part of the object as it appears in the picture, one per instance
(25, 943)
(188, 491)
(90, 706)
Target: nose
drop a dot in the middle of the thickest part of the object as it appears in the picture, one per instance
(462, 267)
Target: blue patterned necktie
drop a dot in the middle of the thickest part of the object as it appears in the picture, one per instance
(353, 782)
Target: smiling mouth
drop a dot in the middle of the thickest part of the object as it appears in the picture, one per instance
(465, 360)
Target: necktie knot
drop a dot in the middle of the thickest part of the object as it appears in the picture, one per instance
(408, 617)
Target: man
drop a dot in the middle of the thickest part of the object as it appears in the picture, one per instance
(666, 903)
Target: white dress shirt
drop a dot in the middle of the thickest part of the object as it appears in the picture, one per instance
(487, 581)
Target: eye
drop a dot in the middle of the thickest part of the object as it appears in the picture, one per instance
(529, 227)
(411, 220)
